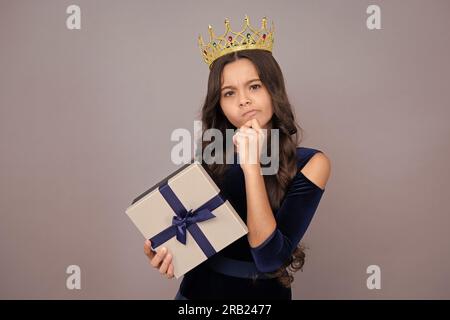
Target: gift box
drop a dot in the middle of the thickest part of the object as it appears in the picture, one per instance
(186, 213)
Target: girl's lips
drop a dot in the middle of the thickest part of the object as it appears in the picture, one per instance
(250, 113)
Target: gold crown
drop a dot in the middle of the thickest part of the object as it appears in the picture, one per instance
(247, 38)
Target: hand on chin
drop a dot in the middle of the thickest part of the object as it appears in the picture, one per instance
(249, 140)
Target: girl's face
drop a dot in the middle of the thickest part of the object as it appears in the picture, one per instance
(243, 96)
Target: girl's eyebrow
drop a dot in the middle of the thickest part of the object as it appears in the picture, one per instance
(231, 87)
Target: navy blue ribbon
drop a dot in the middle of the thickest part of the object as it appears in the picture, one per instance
(185, 220)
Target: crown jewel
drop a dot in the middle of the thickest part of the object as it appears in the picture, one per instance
(230, 41)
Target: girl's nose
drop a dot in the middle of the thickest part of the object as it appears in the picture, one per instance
(244, 101)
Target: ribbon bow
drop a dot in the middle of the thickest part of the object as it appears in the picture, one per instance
(185, 220)
(190, 217)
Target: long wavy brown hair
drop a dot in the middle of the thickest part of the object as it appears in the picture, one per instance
(290, 136)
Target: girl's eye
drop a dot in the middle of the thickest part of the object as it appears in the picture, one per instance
(254, 87)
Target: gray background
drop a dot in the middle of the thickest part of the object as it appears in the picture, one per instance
(86, 118)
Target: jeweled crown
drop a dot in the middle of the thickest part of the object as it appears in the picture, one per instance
(230, 41)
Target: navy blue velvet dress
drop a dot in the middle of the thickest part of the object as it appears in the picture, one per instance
(293, 218)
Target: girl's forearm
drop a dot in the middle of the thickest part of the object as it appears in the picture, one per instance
(260, 219)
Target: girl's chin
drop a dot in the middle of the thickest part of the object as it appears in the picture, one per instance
(261, 123)
(246, 118)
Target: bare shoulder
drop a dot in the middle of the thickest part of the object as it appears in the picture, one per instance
(318, 169)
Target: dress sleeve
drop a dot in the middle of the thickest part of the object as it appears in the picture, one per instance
(293, 218)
